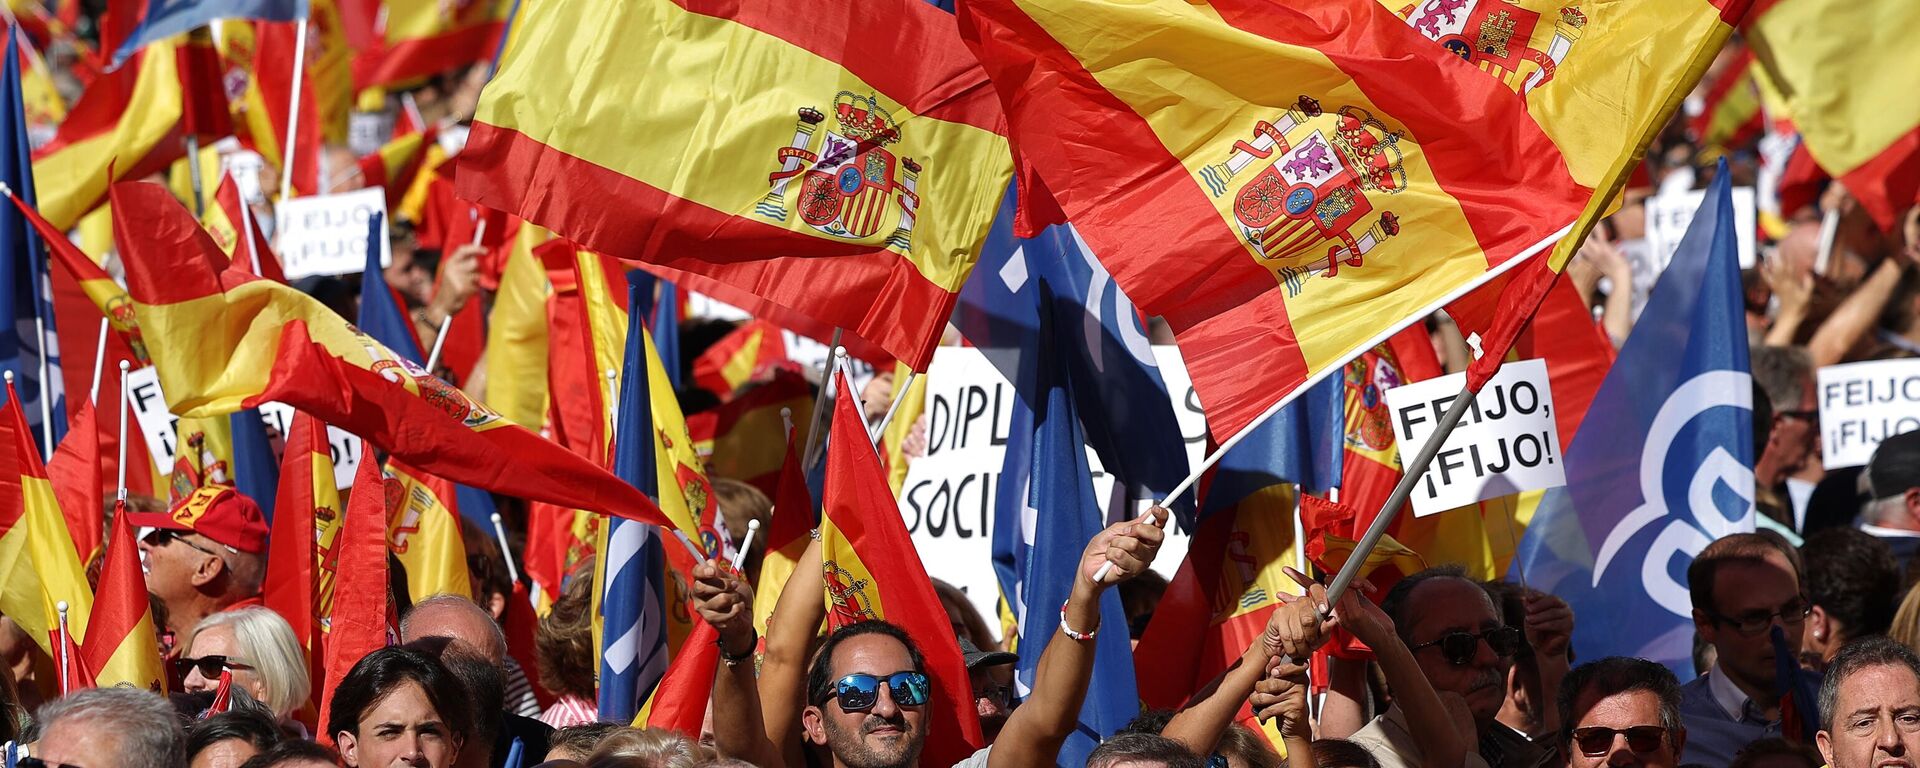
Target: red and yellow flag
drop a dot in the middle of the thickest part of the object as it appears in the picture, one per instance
(786, 536)
(516, 351)
(38, 564)
(126, 126)
(260, 55)
(854, 199)
(1848, 72)
(122, 645)
(739, 357)
(107, 295)
(1731, 116)
(745, 438)
(303, 550)
(394, 166)
(230, 340)
(423, 530)
(423, 38)
(75, 472)
(360, 618)
(872, 573)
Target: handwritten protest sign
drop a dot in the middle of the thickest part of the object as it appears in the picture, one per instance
(1669, 214)
(947, 500)
(149, 405)
(1507, 443)
(1864, 403)
(327, 234)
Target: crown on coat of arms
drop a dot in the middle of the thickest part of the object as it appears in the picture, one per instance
(864, 120)
(1373, 148)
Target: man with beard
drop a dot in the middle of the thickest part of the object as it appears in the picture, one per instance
(1460, 643)
(1870, 706)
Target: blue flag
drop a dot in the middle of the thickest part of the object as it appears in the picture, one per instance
(1059, 481)
(1115, 381)
(26, 305)
(1664, 462)
(256, 474)
(633, 648)
(1304, 444)
(166, 18)
(666, 330)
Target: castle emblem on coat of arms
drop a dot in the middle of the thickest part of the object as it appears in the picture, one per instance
(1305, 186)
(839, 176)
(1499, 36)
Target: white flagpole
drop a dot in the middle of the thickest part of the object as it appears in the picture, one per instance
(899, 394)
(246, 226)
(66, 662)
(293, 110)
(439, 341)
(500, 534)
(121, 494)
(99, 362)
(46, 388)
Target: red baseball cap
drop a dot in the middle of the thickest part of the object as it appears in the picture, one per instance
(217, 512)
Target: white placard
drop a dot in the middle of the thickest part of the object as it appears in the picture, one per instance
(1668, 215)
(346, 446)
(947, 500)
(157, 426)
(1507, 443)
(245, 167)
(150, 411)
(1864, 403)
(367, 131)
(327, 234)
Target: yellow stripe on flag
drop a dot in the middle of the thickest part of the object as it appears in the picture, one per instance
(424, 533)
(516, 353)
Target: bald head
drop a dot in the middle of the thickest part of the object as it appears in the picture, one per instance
(459, 620)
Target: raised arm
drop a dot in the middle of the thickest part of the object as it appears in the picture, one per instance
(1034, 732)
(726, 602)
(783, 671)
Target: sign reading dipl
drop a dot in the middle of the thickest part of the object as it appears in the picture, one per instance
(1864, 403)
(327, 234)
(1505, 444)
(149, 407)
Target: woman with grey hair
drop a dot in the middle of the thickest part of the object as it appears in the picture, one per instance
(258, 648)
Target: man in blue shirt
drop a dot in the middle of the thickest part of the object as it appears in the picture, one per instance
(1742, 585)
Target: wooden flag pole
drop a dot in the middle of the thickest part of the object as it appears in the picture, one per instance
(293, 109)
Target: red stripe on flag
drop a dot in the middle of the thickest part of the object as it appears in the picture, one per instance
(900, 310)
(1445, 105)
(121, 600)
(905, 49)
(360, 605)
(427, 56)
(1890, 182)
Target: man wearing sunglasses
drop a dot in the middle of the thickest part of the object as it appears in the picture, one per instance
(1742, 586)
(1623, 713)
(205, 555)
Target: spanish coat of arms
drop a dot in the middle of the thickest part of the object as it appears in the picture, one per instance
(850, 185)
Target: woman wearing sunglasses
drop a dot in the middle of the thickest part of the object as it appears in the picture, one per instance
(399, 708)
(257, 648)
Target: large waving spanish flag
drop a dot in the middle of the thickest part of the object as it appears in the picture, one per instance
(230, 340)
(1329, 171)
(303, 548)
(1849, 71)
(38, 565)
(127, 125)
(823, 164)
(872, 572)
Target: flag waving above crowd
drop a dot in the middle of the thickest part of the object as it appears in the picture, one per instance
(974, 383)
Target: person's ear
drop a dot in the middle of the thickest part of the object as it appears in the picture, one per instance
(349, 753)
(1824, 741)
(1913, 504)
(496, 605)
(210, 568)
(813, 725)
(1680, 743)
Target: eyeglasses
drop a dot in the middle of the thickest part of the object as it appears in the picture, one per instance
(210, 666)
(34, 762)
(1807, 416)
(858, 692)
(161, 536)
(1596, 741)
(1458, 648)
(1217, 760)
(1757, 622)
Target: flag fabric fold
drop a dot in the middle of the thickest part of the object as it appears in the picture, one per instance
(122, 645)
(362, 610)
(166, 18)
(630, 592)
(854, 200)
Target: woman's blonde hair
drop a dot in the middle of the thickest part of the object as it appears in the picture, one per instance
(1906, 620)
(267, 644)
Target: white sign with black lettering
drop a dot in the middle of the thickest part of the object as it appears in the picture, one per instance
(149, 406)
(327, 234)
(1505, 444)
(346, 446)
(1669, 214)
(948, 497)
(1864, 403)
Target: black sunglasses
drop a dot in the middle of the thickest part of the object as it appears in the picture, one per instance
(1458, 648)
(210, 666)
(1596, 741)
(858, 692)
(160, 537)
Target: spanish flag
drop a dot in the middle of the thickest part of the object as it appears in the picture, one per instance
(303, 548)
(786, 536)
(853, 195)
(872, 572)
(360, 620)
(1731, 116)
(745, 438)
(107, 295)
(126, 126)
(232, 225)
(516, 351)
(1848, 71)
(38, 566)
(260, 55)
(394, 166)
(1333, 171)
(423, 530)
(423, 38)
(225, 341)
(122, 645)
(78, 483)
(739, 357)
